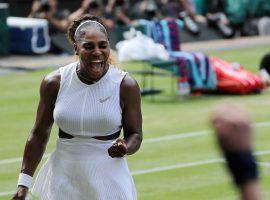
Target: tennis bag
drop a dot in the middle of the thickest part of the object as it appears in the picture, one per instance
(234, 79)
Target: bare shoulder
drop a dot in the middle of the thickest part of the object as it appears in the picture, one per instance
(50, 84)
(130, 91)
(53, 76)
(129, 83)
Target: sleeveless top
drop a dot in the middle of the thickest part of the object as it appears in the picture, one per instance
(89, 110)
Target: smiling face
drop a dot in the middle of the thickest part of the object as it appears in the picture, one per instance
(93, 50)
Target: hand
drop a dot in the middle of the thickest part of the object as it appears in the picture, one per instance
(49, 15)
(109, 6)
(85, 4)
(110, 25)
(35, 6)
(21, 193)
(232, 127)
(118, 149)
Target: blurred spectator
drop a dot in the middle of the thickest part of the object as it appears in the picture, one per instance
(145, 9)
(189, 17)
(58, 23)
(48, 9)
(240, 17)
(59, 20)
(183, 9)
(93, 8)
(188, 7)
(245, 15)
(117, 10)
(263, 10)
(264, 26)
(169, 8)
(234, 136)
(215, 16)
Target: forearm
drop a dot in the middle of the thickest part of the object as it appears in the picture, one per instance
(187, 7)
(110, 5)
(250, 191)
(122, 17)
(31, 15)
(61, 25)
(34, 149)
(73, 16)
(133, 142)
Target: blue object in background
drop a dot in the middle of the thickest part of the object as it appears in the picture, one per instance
(28, 36)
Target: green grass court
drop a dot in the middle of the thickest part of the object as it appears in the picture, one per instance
(178, 158)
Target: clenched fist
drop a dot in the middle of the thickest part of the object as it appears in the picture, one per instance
(21, 193)
(118, 149)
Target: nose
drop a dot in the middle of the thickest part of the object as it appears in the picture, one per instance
(97, 52)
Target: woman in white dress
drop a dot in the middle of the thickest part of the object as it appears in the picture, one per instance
(90, 101)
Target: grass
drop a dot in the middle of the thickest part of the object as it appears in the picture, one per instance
(165, 116)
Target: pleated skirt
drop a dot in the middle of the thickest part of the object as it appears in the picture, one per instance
(81, 169)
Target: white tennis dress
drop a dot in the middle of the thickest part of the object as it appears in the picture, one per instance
(80, 168)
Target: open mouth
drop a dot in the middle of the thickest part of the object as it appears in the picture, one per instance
(97, 66)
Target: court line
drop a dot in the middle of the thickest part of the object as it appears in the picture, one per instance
(14, 160)
(176, 136)
(195, 133)
(150, 140)
(264, 164)
(178, 166)
(6, 193)
(192, 164)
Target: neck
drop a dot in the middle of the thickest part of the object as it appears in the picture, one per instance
(85, 78)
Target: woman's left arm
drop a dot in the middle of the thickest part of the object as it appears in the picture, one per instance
(131, 114)
(131, 119)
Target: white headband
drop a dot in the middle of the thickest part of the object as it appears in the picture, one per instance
(90, 22)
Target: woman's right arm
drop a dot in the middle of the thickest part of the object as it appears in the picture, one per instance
(37, 140)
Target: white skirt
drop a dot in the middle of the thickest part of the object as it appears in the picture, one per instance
(81, 169)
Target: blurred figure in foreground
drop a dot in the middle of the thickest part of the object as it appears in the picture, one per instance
(234, 135)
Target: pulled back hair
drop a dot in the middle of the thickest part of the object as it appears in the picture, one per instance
(74, 25)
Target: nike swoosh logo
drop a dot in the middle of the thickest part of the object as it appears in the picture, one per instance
(101, 100)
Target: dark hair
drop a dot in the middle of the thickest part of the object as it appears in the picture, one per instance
(94, 5)
(265, 62)
(44, 7)
(120, 2)
(73, 26)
